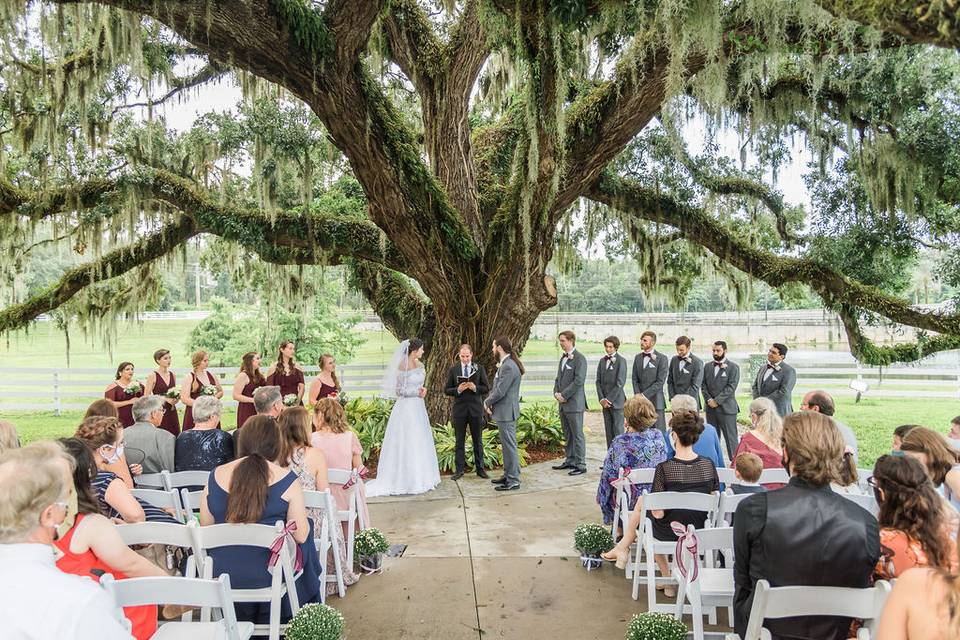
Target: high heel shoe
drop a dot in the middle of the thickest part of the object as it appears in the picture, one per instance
(618, 557)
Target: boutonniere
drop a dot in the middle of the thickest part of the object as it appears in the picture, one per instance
(499, 364)
(653, 357)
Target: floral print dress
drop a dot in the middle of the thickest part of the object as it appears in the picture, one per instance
(643, 450)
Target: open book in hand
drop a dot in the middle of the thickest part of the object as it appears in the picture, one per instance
(469, 378)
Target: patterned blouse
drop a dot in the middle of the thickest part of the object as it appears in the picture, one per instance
(644, 450)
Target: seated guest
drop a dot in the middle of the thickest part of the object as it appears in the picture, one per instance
(708, 444)
(92, 546)
(822, 402)
(104, 437)
(923, 605)
(941, 462)
(205, 447)
(146, 435)
(104, 407)
(341, 447)
(268, 401)
(913, 531)
(8, 436)
(638, 447)
(900, 433)
(310, 465)
(747, 467)
(953, 437)
(763, 439)
(804, 533)
(686, 472)
(253, 489)
(37, 600)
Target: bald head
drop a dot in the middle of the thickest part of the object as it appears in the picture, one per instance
(819, 401)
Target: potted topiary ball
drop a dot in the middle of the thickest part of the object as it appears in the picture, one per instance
(655, 626)
(315, 622)
(591, 540)
(369, 545)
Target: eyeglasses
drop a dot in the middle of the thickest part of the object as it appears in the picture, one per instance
(872, 481)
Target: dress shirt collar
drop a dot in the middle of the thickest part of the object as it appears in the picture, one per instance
(28, 553)
(505, 356)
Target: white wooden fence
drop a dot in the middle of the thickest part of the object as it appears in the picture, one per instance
(59, 390)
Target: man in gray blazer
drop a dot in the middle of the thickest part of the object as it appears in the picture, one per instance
(146, 435)
(649, 375)
(569, 393)
(686, 372)
(503, 405)
(611, 376)
(776, 380)
(720, 380)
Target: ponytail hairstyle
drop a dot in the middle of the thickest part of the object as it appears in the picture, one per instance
(253, 373)
(258, 444)
(98, 431)
(504, 343)
(281, 365)
(847, 473)
(910, 504)
(84, 472)
(123, 365)
(333, 374)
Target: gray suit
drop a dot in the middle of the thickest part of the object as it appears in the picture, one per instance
(648, 379)
(571, 374)
(611, 376)
(720, 384)
(504, 403)
(778, 386)
(686, 381)
(157, 445)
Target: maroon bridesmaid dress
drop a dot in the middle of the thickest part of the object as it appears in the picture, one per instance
(246, 410)
(325, 390)
(288, 383)
(171, 419)
(118, 394)
(194, 394)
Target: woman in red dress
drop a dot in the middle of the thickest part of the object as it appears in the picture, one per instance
(286, 374)
(764, 438)
(326, 383)
(160, 382)
(193, 387)
(123, 392)
(248, 380)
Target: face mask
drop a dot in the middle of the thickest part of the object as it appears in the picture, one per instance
(64, 527)
(115, 457)
(784, 463)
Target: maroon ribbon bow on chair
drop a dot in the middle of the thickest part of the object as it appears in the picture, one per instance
(281, 540)
(356, 474)
(690, 542)
(625, 478)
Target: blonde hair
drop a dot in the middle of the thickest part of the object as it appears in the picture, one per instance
(8, 436)
(31, 479)
(940, 457)
(639, 412)
(198, 357)
(814, 446)
(332, 415)
(769, 421)
(749, 466)
(98, 431)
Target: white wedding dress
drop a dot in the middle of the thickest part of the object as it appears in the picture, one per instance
(408, 457)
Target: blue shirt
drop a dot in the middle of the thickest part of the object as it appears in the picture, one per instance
(708, 446)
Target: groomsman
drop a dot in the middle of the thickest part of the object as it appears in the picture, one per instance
(503, 405)
(686, 372)
(720, 380)
(776, 380)
(649, 375)
(568, 390)
(611, 376)
(467, 384)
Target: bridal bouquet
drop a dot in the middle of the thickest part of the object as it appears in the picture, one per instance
(133, 389)
(173, 394)
(290, 399)
(209, 390)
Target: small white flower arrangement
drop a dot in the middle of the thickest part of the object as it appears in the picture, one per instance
(209, 390)
(290, 400)
(655, 626)
(133, 389)
(173, 394)
(315, 621)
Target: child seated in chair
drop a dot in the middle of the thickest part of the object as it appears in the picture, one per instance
(748, 467)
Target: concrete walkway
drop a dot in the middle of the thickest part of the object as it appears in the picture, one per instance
(481, 564)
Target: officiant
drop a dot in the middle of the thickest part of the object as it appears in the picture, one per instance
(467, 384)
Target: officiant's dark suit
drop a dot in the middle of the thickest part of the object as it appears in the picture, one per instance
(468, 410)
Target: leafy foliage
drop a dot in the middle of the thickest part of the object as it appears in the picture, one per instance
(592, 539)
(315, 621)
(370, 542)
(655, 626)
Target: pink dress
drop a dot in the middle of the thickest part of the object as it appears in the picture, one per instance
(339, 449)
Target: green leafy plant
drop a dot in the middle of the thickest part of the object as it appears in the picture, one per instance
(368, 419)
(592, 539)
(655, 626)
(539, 425)
(446, 442)
(315, 621)
(370, 542)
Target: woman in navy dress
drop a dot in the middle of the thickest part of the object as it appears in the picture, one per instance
(118, 392)
(159, 383)
(248, 380)
(285, 373)
(197, 380)
(252, 489)
(326, 384)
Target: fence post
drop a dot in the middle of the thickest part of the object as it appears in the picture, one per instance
(56, 393)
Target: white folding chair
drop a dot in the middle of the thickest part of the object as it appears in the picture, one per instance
(663, 500)
(191, 592)
(352, 515)
(727, 475)
(174, 535)
(190, 502)
(711, 587)
(162, 499)
(789, 602)
(283, 581)
(181, 479)
(728, 507)
(149, 481)
(774, 476)
(622, 510)
(326, 540)
(866, 502)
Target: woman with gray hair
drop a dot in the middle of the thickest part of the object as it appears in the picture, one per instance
(763, 439)
(708, 444)
(205, 446)
(146, 436)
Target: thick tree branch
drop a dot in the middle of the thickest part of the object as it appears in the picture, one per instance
(926, 22)
(350, 22)
(867, 351)
(401, 308)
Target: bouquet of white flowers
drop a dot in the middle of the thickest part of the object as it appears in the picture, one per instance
(290, 399)
(133, 389)
(209, 390)
(173, 394)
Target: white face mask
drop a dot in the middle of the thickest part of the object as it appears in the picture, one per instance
(115, 457)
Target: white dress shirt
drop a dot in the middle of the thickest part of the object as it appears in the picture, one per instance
(40, 602)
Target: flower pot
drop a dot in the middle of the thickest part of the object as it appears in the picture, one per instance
(591, 561)
(371, 564)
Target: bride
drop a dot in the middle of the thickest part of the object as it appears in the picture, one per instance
(408, 457)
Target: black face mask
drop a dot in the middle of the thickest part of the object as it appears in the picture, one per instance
(719, 358)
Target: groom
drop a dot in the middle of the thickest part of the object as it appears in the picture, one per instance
(503, 405)
(467, 384)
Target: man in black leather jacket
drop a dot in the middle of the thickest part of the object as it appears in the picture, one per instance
(804, 533)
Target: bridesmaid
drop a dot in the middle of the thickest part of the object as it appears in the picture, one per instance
(117, 393)
(159, 382)
(326, 383)
(248, 380)
(192, 387)
(285, 373)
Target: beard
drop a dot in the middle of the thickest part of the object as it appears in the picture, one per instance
(719, 358)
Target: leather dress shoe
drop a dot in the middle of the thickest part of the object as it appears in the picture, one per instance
(457, 475)
(482, 473)
(508, 487)
(577, 471)
(558, 467)
(501, 480)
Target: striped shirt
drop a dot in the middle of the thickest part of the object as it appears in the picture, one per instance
(103, 480)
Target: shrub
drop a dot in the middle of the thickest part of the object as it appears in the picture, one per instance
(446, 443)
(592, 539)
(655, 626)
(539, 424)
(315, 621)
(368, 418)
(370, 542)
